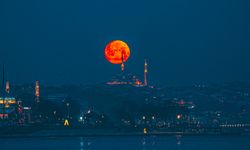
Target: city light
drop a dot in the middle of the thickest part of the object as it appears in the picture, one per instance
(66, 123)
(145, 131)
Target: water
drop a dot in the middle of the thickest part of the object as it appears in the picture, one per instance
(129, 143)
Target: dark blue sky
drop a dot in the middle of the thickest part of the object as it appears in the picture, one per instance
(185, 41)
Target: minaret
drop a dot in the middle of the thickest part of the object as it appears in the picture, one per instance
(145, 73)
(7, 88)
(3, 92)
(37, 94)
(122, 65)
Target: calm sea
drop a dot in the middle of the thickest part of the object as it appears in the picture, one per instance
(129, 143)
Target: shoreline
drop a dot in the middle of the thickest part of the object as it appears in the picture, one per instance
(110, 134)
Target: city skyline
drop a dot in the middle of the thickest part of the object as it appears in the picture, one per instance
(125, 74)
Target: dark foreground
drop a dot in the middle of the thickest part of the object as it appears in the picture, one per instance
(173, 142)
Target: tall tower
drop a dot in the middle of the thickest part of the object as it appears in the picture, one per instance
(3, 81)
(145, 73)
(7, 87)
(37, 93)
(122, 65)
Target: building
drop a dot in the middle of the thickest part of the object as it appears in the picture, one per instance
(125, 79)
(129, 79)
(8, 106)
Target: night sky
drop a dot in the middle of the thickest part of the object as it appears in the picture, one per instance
(184, 41)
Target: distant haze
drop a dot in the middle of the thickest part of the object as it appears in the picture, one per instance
(184, 41)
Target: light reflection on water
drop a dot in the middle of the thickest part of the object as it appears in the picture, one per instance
(85, 144)
(148, 143)
(129, 143)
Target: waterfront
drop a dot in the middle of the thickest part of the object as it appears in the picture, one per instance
(129, 142)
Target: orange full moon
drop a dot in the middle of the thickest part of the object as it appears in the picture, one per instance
(116, 51)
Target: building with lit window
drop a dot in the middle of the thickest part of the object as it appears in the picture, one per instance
(7, 106)
(125, 79)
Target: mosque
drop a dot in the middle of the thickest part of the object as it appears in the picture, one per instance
(129, 79)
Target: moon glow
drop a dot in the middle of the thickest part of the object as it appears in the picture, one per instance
(117, 51)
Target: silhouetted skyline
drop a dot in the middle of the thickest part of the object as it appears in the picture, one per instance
(185, 42)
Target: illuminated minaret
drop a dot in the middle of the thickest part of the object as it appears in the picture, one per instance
(7, 87)
(37, 94)
(3, 81)
(122, 65)
(145, 73)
